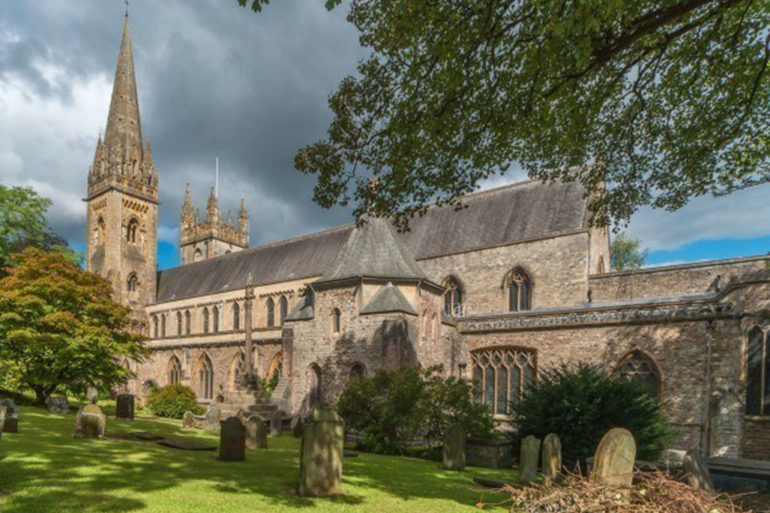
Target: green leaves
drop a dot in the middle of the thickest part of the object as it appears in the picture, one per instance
(625, 254)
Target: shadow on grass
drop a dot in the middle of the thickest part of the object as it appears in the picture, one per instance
(45, 469)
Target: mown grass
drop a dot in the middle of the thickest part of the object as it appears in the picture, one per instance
(44, 469)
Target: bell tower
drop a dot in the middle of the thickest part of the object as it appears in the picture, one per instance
(122, 200)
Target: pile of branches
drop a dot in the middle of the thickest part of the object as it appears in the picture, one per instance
(652, 492)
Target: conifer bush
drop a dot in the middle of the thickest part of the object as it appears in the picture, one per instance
(581, 403)
(173, 401)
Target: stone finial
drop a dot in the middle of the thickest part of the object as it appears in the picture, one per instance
(212, 208)
(230, 221)
(148, 160)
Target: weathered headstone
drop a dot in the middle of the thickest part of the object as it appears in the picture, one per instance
(697, 471)
(454, 448)
(232, 440)
(124, 409)
(613, 463)
(530, 453)
(320, 470)
(275, 424)
(211, 418)
(296, 426)
(11, 424)
(188, 420)
(2, 419)
(551, 459)
(58, 404)
(90, 422)
(256, 432)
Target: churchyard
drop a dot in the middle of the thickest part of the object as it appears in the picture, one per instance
(43, 468)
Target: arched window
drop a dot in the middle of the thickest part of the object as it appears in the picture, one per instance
(236, 316)
(237, 369)
(502, 376)
(187, 321)
(154, 326)
(453, 296)
(197, 255)
(275, 367)
(313, 380)
(519, 291)
(133, 282)
(215, 318)
(205, 320)
(757, 373)
(284, 308)
(357, 371)
(179, 323)
(133, 225)
(336, 320)
(639, 368)
(99, 230)
(270, 314)
(206, 378)
(163, 325)
(174, 371)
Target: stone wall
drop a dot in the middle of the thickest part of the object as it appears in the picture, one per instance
(757, 441)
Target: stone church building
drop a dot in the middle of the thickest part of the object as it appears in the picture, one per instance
(516, 283)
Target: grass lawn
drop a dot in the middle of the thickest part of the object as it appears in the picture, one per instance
(44, 469)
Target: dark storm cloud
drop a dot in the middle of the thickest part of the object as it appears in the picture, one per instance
(214, 79)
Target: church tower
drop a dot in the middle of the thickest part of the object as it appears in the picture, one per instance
(122, 218)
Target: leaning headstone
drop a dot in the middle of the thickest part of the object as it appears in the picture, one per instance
(11, 424)
(232, 440)
(90, 422)
(124, 409)
(58, 404)
(2, 419)
(211, 418)
(275, 424)
(256, 432)
(188, 420)
(551, 459)
(697, 471)
(320, 469)
(530, 452)
(613, 463)
(296, 426)
(454, 448)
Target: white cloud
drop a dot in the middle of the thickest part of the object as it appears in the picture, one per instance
(168, 234)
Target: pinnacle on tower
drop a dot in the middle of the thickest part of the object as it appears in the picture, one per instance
(123, 123)
(212, 208)
(189, 215)
(243, 220)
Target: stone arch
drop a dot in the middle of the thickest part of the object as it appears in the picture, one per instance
(518, 286)
(270, 312)
(99, 230)
(174, 370)
(283, 305)
(133, 282)
(276, 364)
(640, 367)
(237, 369)
(357, 370)
(336, 321)
(131, 228)
(313, 386)
(197, 255)
(205, 377)
(453, 295)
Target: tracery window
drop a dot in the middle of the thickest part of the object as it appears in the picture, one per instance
(502, 376)
(453, 296)
(270, 314)
(133, 282)
(336, 320)
(133, 225)
(519, 291)
(215, 318)
(205, 320)
(284, 308)
(236, 316)
(206, 378)
(639, 368)
(174, 371)
(758, 373)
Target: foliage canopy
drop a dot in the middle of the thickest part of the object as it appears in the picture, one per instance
(661, 100)
(625, 253)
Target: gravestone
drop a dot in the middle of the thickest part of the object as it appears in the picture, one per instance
(2, 419)
(613, 463)
(256, 432)
(188, 420)
(454, 448)
(697, 471)
(124, 409)
(232, 440)
(11, 424)
(296, 426)
(90, 422)
(211, 418)
(58, 404)
(320, 469)
(275, 424)
(551, 459)
(530, 453)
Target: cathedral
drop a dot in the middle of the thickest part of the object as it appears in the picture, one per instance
(517, 282)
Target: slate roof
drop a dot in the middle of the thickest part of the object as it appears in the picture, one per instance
(496, 217)
(373, 250)
(388, 299)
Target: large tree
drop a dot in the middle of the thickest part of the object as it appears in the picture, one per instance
(59, 326)
(626, 253)
(659, 100)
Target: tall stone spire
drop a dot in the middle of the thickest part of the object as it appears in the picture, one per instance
(123, 124)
